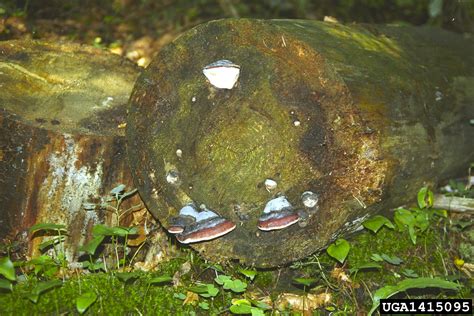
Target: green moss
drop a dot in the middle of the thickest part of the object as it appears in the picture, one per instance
(466, 248)
(264, 279)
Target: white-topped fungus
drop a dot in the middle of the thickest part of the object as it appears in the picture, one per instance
(222, 74)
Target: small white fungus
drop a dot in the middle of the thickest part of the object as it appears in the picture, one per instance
(222, 74)
(309, 199)
(270, 184)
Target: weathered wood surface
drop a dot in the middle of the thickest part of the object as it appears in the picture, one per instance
(382, 110)
(60, 144)
(454, 203)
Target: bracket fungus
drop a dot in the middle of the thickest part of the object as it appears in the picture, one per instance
(192, 226)
(222, 74)
(277, 214)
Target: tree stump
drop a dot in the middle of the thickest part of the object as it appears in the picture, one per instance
(61, 141)
(360, 115)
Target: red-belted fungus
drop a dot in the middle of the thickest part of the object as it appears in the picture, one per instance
(187, 216)
(207, 225)
(278, 214)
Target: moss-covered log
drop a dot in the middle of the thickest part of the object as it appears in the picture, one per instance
(358, 114)
(60, 142)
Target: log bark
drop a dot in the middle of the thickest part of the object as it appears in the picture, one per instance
(60, 142)
(362, 115)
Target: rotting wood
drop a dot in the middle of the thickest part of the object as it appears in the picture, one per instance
(61, 145)
(362, 115)
(454, 203)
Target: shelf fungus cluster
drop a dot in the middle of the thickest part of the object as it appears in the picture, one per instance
(192, 226)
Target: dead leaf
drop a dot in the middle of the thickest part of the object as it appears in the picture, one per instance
(302, 303)
(340, 275)
(191, 298)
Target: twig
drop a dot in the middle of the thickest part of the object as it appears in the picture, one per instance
(454, 203)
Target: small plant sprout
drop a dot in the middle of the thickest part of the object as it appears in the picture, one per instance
(116, 232)
(222, 74)
(58, 237)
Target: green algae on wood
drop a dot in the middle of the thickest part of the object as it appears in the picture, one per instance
(381, 111)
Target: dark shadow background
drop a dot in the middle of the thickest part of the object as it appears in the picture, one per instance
(139, 28)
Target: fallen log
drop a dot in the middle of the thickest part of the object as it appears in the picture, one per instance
(61, 106)
(235, 113)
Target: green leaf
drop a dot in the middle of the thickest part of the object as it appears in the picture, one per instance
(200, 288)
(221, 279)
(51, 242)
(204, 305)
(248, 273)
(160, 279)
(92, 245)
(126, 276)
(260, 305)
(410, 273)
(212, 291)
(403, 218)
(412, 233)
(5, 285)
(205, 290)
(441, 213)
(422, 220)
(256, 312)
(180, 296)
(94, 266)
(392, 260)
(241, 307)
(425, 198)
(236, 286)
(368, 265)
(305, 281)
(420, 283)
(376, 222)
(84, 301)
(40, 288)
(118, 189)
(47, 227)
(129, 193)
(42, 260)
(7, 269)
(103, 230)
(376, 257)
(339, 250)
